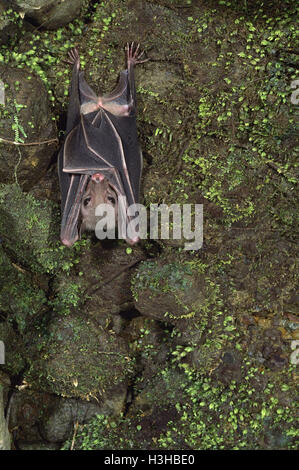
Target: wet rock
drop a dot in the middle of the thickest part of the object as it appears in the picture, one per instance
(292, 304)
(59, 426)
(149, 339)
(183, 297)
(198, 98)
(48, 186)
(100, 281)
(25, 117)
(275, 439)
(268, 348)
(274, 357)
(5, 383)
(49, 14)
(153, 416)
(42, 419)
(26, 409)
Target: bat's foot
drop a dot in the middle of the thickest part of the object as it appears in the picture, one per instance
(73, 57)
(134, 56)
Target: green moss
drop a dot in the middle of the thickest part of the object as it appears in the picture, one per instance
(73, 358)
(20, 299)
(15, 351)
(68, 295)
(157, 278)
(205, 415)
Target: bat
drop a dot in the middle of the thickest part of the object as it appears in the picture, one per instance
(100, 160)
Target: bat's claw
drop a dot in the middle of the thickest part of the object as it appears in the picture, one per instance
(134, 56)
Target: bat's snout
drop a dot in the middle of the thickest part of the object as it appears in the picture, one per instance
(133, 241)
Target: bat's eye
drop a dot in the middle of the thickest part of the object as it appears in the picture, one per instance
(111, 199)
(86, 201)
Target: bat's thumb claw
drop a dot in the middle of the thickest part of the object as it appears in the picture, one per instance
(68, 242)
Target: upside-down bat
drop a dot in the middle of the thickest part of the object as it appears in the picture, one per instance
(100, 160)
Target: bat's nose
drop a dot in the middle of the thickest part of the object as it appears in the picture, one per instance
(97, 177)
(133, 241)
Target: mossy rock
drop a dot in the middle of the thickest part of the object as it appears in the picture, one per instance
(9, 24)
(25, 116)
(201, 413)
(77, 359)
(15, 350)
(5, 439)
(49, 14)
(30, 231)
(169, 292)
(21, 298)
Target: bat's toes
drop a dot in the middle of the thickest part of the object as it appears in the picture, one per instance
(136, 50)
(74, 56)
(142, 61)
(130, 50)
(135, 57)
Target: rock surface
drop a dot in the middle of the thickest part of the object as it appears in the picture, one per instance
(49, 14)
(25, 115)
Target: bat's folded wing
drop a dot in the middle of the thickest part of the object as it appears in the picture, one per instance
(88, 149)
(107, 145)
(71, 210)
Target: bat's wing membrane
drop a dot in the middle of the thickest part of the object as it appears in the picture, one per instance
(121, 95)
(85, 91)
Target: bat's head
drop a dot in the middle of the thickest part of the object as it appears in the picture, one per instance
(98, 191)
